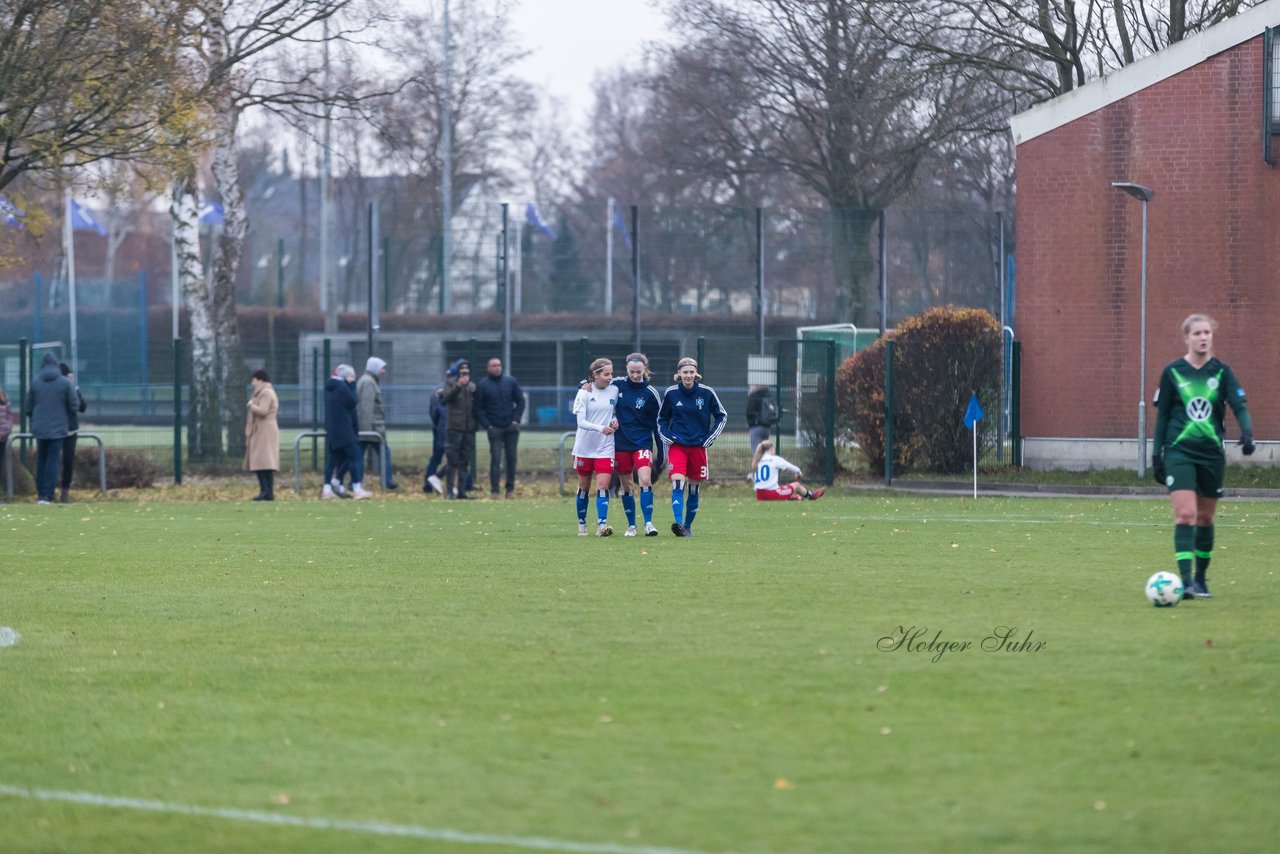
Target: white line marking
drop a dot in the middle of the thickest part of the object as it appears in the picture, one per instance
(1022, 520)
(379, 828)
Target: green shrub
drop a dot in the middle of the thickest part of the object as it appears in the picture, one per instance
(941, 357)
(860, 405)
(126, 469)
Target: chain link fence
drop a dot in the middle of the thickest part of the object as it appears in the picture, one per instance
(683, 281)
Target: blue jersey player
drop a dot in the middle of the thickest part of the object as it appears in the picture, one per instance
(635, 446)
(689, 421)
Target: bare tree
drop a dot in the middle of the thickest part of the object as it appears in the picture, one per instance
(1039, 50)
(238, 52)
(821, 96)
(489, 108)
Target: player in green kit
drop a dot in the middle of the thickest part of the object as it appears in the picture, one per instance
(1189, 458)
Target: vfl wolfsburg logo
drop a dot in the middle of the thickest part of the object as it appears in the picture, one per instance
(1199, 409)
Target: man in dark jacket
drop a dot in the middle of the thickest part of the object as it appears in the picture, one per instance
(499, 408)
(341, 428)
(439, 438)
(51, 405)
(762, 414)
(69, 443)
(459, 397)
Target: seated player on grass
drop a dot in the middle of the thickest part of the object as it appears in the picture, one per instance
(767, 466)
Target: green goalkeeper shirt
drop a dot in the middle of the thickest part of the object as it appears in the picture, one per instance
(1191, 405)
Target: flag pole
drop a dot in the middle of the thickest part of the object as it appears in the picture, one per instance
(70, 247)
(608, 256)
(975, 459)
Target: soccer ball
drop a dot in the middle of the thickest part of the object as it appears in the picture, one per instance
(1164, 589)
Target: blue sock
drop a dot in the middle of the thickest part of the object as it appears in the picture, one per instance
(602, 506)
(582, 507)
(677, 503)
(691, 508)
(629, 507)
(646, 503)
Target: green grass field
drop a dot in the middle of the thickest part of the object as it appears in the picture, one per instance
(407, 674)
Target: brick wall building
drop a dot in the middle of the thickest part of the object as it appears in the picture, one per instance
(1188, 123)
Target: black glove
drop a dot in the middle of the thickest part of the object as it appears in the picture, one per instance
(1157, 468)
(1246, 443)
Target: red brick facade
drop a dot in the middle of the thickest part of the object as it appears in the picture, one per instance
(1195, 138)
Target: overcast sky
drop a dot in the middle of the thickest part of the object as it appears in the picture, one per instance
(571, 40)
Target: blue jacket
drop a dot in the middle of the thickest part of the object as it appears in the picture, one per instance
(51, 403)
(691, 417)
(438, 411)
(637, 411)
(340, 423)
(498, 401)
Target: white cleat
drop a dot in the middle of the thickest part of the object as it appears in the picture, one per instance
(650, 530)
(582, 529)
(327, 493)
(360, 493)
(436, 484)
(631, 531)
(604, 531)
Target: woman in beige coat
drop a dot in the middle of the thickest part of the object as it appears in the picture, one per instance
(262, 436)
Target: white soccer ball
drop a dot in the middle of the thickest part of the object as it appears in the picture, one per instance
(1164, 589)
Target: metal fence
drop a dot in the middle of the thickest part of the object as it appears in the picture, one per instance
(716, 282)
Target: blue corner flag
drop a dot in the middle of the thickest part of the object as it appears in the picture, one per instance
(974, 413)
(82, 220)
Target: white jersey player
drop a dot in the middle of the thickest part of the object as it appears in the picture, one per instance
(768, 466)
(596, 409)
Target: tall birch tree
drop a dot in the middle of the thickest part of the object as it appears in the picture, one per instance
(242, 53)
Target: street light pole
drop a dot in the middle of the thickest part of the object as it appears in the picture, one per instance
(1144, 195)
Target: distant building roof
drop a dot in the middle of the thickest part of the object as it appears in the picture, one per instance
(1147, 71)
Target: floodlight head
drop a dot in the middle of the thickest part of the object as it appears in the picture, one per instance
(1139, 192)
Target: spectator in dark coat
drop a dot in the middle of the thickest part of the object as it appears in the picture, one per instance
(51, 405)
(342, 429)
(6, 427)
(762, 414)
(439, 438)
(459, 397)
(69, 444)
(499, 410)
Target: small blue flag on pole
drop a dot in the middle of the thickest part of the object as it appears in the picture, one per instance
(82, 220)
(211, 212)
(535, 219)
(974, 413)
(621, 226)
(11, 213)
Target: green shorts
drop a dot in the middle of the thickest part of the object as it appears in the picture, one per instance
(1182, 472)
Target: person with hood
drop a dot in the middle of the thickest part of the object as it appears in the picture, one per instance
(69, 444)
(262, 435)
(499, 410)
(439, 438)
(689, 422)
(51, 406)
(371, 416)
(6, 427)
(762, 414)
(341, 440)
(460, 445)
